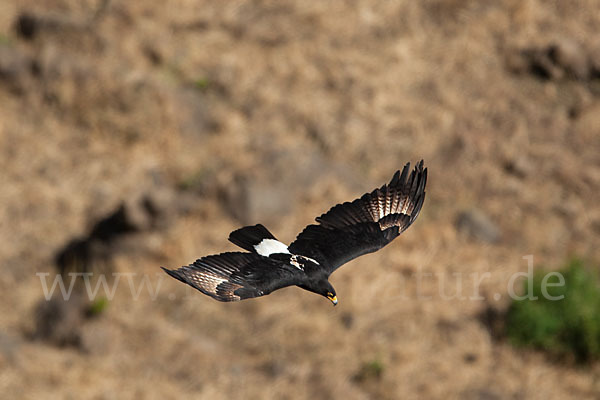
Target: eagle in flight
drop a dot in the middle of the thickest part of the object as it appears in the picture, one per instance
(345, 232)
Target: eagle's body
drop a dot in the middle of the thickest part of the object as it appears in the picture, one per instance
(345, 232)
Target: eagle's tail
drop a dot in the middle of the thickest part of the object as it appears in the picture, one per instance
(250, 236)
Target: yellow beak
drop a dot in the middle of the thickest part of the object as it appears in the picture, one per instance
(333, 300)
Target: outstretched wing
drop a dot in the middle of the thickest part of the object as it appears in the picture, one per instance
(367, 224)
(236, 276)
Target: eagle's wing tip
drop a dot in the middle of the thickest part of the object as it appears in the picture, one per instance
(174, 273)
(167, 270)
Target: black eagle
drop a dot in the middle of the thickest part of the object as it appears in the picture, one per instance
(345, 232)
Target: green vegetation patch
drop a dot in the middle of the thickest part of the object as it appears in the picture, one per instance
(97, 307)
(370, 370)
(202, 84)
(569, 327)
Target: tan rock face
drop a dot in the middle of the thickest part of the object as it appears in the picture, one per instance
(225, 113)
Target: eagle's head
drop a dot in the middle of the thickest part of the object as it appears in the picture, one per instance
(324, 288)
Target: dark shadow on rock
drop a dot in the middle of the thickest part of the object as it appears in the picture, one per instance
(58, 321)
(493, 319)
(147, 213)
(27, 26)
(563, 58)
(30, 25)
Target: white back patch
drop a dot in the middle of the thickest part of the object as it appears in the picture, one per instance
(266, 247)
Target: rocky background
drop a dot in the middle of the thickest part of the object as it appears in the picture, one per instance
(139, 134)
